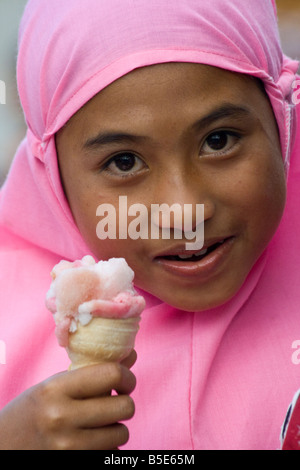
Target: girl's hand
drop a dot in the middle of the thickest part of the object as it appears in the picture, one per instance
(72, 410)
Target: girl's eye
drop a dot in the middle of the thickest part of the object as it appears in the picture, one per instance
(220, 142)
(124, 164)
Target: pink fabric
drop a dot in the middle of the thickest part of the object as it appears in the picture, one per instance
(210, 380)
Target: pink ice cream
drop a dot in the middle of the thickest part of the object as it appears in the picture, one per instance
(84, 289)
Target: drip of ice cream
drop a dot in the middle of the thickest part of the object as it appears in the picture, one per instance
(82, 292)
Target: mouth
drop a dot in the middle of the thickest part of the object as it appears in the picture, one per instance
(192, 256)
(203, 263)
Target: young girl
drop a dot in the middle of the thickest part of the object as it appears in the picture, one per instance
(177, 102)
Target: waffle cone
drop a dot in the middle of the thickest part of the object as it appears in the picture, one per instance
(103, 339)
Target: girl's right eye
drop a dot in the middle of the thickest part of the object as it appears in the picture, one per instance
(123, 164)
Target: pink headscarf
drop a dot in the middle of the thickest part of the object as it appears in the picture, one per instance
(216, 379)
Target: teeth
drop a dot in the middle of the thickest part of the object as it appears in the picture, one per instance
(184, 256)
(199, 253)
(202, 252)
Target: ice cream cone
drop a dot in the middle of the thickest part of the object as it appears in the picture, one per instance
(103, 339)
(96, 309)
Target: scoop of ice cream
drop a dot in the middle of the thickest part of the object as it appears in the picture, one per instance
(84, 289)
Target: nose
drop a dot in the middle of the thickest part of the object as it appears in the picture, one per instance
(180, 195)
(184, 204)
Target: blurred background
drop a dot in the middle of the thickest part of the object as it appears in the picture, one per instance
(12, 128)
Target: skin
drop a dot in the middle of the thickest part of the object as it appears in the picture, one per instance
(232, 165)
(242, 184)
(72, 411)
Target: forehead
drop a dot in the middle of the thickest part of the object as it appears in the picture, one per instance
(172, 83)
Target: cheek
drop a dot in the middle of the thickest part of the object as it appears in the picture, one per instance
(101, 220)
(259, 194)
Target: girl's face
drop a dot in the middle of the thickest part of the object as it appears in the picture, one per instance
(179, 134)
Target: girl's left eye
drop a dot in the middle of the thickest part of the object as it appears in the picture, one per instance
(220, 142)
(123, 164)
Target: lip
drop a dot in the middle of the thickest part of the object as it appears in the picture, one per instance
(203, 268)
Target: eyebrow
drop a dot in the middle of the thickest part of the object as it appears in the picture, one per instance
(225, 111)
(111, 137)
(106, 138)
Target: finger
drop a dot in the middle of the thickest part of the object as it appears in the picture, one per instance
(104, 411)
(130, 360)
(100, 379)
(108, 438)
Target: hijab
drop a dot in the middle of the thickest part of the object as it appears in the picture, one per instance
(219, 379)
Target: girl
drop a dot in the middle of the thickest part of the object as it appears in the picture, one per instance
(178, 102)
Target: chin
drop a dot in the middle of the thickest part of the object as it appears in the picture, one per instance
(202, 304)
